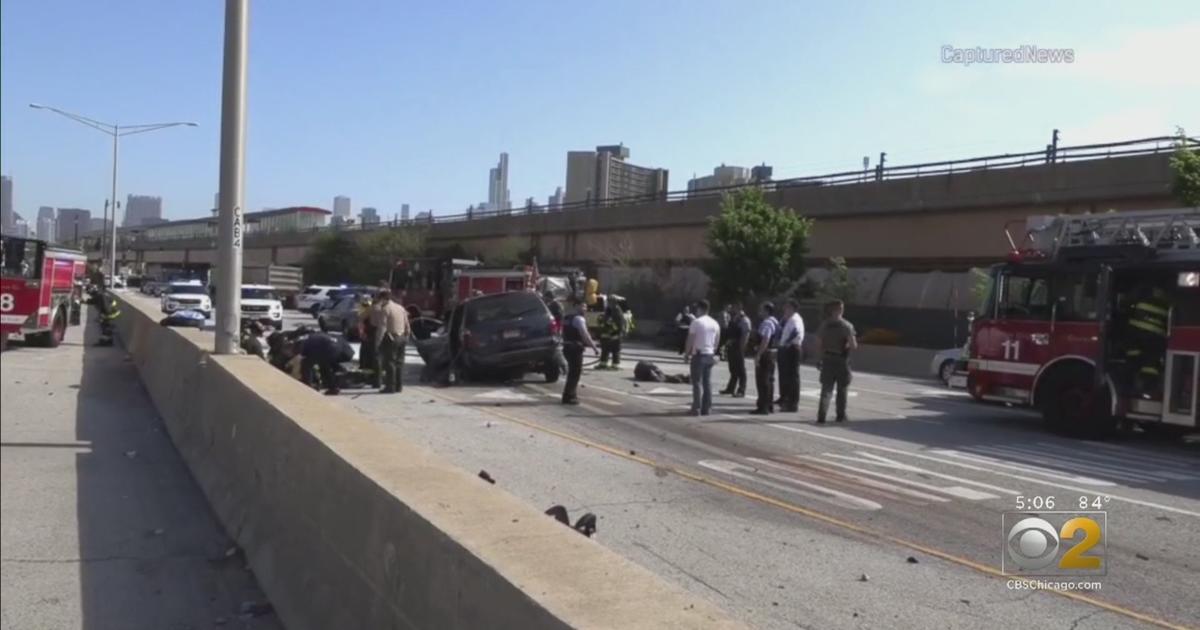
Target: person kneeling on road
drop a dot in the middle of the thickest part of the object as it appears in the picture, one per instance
(324, 353)
(575, 339)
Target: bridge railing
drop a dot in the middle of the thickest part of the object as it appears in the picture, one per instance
(1049, 155)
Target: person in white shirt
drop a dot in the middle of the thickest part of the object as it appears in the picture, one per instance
(791, 339)
(701, 350)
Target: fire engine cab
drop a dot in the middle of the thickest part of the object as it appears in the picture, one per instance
(1095, 320)
(40, 290)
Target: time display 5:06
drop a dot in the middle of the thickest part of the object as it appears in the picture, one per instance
(1036, 502)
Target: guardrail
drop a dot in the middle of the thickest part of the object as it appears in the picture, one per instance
(1049, 155)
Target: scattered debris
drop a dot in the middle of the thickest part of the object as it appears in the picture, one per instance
(965, 601)
(488, 424)
(855, 614)
(636, 385)
(231, 552)
(158, 532)
(220, 621)
(911, 560)
(255, 609)
(1163, 518)
(774, 603)
(864, 578)
(516, 520)
(130, 454)
(632, 452)
(483, 474)
(586, 524)
(659, 471)
(429, 401)
(1141, 556)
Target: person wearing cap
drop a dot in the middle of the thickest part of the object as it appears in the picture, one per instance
(764, 359)
(835, 341)
(575, 339)
(392, 335)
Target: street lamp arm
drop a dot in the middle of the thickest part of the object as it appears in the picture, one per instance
(133, 129)
(94, 124)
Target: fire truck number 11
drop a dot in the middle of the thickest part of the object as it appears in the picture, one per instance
(1012, 349)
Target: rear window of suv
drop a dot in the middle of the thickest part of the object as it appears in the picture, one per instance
(504, 307)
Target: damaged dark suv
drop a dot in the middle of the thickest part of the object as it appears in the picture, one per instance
(498, 336)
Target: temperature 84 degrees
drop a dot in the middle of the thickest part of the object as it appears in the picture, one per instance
(1093, 502)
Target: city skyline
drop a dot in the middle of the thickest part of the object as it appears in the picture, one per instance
(892, 94)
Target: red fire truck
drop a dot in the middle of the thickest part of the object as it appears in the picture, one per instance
(1056, 330)
(40, 289)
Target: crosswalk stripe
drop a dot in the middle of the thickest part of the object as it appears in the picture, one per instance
(794, 486)
(1061, 465)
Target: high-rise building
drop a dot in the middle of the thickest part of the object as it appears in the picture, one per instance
(45, 225)
(604, 175)
(216, 202)
(498, 198)
(341, 207)
(72, 223)
(6, 204)
(97, 224)
(722, 176)
(404, 212)
(140, 208)
(761, 173)
(20, 226)
(368, 216)
(46, 212)
(555, 201)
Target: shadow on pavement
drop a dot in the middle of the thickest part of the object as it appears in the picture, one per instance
(152, 553)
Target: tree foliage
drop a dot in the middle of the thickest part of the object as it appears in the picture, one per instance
(840, 285)
(1186, 165)
(339, 256)
(757, 249)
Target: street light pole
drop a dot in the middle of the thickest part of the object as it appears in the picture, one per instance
(116, 132)
(230, 226)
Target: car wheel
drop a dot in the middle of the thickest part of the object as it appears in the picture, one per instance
(322, 324)
(314, 309)
(552, 373)
(945, 371)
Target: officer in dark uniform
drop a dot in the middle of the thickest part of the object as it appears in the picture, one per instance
(575, 339)
(764, 359)
(835, 340)
(738, 337)
(325, 353)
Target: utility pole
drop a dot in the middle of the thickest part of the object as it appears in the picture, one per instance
(230, 226)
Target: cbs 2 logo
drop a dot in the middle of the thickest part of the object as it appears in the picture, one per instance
(1033, 543)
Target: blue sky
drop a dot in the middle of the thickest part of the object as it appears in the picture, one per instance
(394, 102)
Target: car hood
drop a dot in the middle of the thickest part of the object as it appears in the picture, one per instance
(246, 302)
(192, 296)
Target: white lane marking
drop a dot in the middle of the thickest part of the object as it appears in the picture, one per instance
(503, 394)
(954, 491)
(836, 438)
(879, 485)
(657, 401)
(814, 393)
(822, 493)
(1065, 463)
(667, 390)
(1142, 459)
(1028, 468)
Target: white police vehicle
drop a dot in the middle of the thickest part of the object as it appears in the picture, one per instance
(189, 295)
(260, 302)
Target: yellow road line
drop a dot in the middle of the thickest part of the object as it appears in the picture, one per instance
(813, 514)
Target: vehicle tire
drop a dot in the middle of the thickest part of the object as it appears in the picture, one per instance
(322, 324)
(945, 371)
(1072, 405)
(1160, 431)
(349, 332)
(58, 330)
(314, 310)
(552, 373)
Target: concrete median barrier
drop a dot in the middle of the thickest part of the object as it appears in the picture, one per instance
(348, 526)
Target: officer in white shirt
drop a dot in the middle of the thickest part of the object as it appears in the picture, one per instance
(701, 350)
(791, 340)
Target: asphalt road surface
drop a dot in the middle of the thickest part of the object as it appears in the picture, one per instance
(895, 519)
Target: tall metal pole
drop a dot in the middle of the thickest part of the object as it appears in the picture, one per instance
(230, 231)
(112, 231)
(103, 238)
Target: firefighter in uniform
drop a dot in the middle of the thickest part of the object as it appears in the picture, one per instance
(612, 329)
(575, 339)
(108, 312)
(1147, 341)
(835, 340)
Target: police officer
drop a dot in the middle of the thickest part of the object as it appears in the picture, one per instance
(735, 339)
(1147, 341)
(835, 340)
(764, 359)
(575, 339)
(322, 353)
(791, 340)
(391, 333)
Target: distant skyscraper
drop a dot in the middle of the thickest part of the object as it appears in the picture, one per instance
(46, 212)
(141, 209)
(368, 216)
(555, 201)
(603, 174)
(216, 201)
(341, 207)
(97, 224)
(72, 222)
(6, 203)
(498, 198)
(404, 212)
(722, 176)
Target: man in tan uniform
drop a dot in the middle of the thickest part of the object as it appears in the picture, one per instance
(835, 340)
(392, 331)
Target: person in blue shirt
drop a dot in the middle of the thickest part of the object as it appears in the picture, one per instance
(764, 361)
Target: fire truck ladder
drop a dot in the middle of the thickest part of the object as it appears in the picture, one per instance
(1175, 231)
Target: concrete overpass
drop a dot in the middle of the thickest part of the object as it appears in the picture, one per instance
(947, 220)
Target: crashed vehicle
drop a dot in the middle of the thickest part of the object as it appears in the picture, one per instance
(503, 335)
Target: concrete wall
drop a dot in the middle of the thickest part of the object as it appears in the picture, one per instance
(348, 526)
